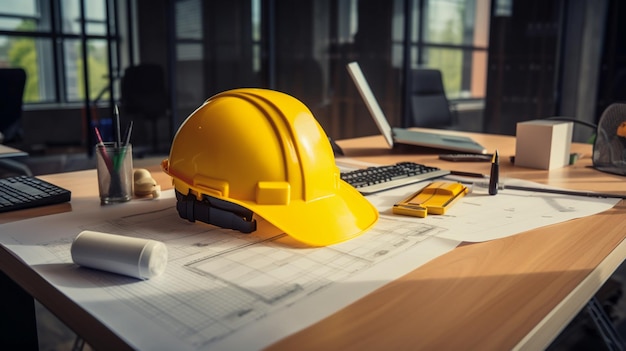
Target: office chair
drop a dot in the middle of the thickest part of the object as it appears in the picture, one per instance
(12, 84)
(143, 94)
(429, 105)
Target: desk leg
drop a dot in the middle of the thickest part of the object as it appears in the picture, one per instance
(18, 322)
(604, 325)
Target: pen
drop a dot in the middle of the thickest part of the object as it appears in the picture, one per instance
(495, 174)
(556, 191)
(129, 130)
(118, 137)
(119, 156)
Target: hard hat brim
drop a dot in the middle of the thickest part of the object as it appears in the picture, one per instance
(325, 221)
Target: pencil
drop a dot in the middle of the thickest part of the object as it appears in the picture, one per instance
(119, 156)
(129, 130)
(103, 151)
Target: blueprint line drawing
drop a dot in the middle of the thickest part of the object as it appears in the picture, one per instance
(226, 290)
(218, 281)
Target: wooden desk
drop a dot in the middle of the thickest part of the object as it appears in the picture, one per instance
(7, 155)
(518, 291)
(7, 151)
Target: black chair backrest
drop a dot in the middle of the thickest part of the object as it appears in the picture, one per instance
(12, 83)
(143, 90)
(429, 104)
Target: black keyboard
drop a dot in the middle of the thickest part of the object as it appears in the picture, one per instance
(20, 192)
(374, 179)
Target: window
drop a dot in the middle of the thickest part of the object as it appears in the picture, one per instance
(452, 35)
(51, 40)
(189, 36)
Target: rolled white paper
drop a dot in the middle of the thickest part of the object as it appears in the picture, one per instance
(135, 257)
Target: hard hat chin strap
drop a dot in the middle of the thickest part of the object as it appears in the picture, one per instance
(214, 211)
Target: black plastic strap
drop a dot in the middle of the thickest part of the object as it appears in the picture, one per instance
(214, 211)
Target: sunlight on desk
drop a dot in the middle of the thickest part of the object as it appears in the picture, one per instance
(512, 291)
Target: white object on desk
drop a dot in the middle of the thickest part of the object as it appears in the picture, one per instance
(135, 257)
(543, 144)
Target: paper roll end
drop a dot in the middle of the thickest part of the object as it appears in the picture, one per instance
(153, 260)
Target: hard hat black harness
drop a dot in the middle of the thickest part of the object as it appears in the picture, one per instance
(215, 211)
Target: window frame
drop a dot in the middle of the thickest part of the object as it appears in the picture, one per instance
(54, 67)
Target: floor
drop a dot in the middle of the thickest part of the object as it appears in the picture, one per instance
(579, 335)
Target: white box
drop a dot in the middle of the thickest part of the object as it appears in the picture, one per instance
(543, 144)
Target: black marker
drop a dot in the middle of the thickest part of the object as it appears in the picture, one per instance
(495, 174)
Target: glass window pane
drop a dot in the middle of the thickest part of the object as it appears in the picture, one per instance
(189, 19)
(20, 24)
(70, 16)
(32, 55)
(98, 68)
(464, 71)
(20, 8)
(347, 21)
(454, 23)
(415, 23)
(22, 16)
(95, 11)
(450, 63)
(73, 70)
(397, 34)
(457, 22)
(256, 20)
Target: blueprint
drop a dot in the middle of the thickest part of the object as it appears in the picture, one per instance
(219, 284)
(224, 290)
(481, 217)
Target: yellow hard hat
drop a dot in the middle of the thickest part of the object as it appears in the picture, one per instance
(262, 151)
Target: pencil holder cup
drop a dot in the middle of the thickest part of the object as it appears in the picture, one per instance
(114, 165)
